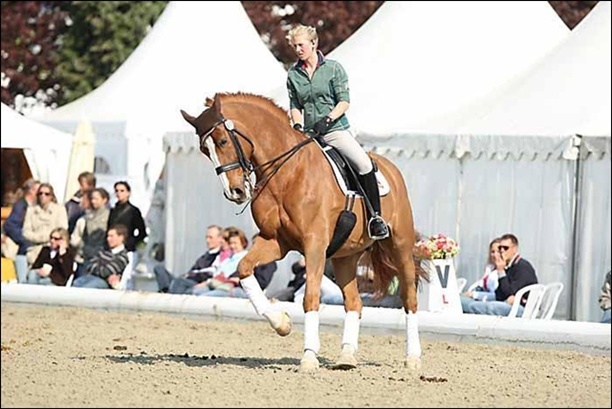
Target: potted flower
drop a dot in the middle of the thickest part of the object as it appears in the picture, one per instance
(440, 293)
(436, 247)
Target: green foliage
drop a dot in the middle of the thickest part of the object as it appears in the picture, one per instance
(29, 42)
(99, 38)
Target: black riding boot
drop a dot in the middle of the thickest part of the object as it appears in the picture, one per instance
(377, 228)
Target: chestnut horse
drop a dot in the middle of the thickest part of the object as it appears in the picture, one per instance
(295, 202)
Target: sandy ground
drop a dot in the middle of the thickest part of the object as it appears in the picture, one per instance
(69, 357)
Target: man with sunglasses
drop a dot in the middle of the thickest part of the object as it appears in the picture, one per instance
(514, 273)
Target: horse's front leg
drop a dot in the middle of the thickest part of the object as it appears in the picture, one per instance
(345, 270)
(263, 251)
(315, 264)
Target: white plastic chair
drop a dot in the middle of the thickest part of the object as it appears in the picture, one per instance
(536, 291)
(550, 299)
(461, 282)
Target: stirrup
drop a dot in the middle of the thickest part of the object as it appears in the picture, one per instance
(382, 235)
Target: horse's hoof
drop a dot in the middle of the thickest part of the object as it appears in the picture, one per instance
(285, 326)
(280, 321)
(309, 365)
(345, 362)
(413, 363)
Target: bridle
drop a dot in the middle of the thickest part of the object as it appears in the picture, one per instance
(245, 164)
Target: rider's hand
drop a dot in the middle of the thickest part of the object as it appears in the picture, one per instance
(322, 126)
(298, 127)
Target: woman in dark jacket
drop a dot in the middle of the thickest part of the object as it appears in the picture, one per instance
(127, 214)
(55, 262)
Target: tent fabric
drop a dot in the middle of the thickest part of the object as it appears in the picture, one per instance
(568, 91)
(194, 50)
(417, 60)
(46, 149)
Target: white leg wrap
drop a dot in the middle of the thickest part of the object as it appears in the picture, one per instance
(253, 291)
(311, 331)
(350, 335)
(413, 344)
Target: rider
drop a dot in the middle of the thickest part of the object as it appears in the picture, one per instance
(319, 97)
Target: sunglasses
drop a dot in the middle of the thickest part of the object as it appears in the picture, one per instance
(503, 248)
(55, 238)
(44, 193)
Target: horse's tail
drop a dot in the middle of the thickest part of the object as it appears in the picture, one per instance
(385, 269)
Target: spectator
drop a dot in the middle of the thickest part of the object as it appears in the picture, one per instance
(299, 278)
(514, 273)
(55, 262)
(74, 210)
(106, 268)
(330, 292)
(128, 215)
(484, 289)
(225, 276)
(13, 229)
(41, 219)
(96, 222)
(76, 238)
(263, 274)
(201, 271)
(604, 300)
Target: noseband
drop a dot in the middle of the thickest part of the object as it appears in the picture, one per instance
(242, 162)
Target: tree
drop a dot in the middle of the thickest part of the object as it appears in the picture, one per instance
(30, 32)
(572, 12)
(100, 38)
(335, 21)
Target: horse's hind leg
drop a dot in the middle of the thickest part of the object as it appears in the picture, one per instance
(402, 254)
(345, 271)
(263, 251)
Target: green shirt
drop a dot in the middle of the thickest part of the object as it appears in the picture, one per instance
(317, 96)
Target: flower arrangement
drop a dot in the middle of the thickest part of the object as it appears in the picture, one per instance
(437, 246)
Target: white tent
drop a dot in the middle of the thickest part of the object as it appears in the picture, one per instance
(194, 50)
(568, 91)
(415, 60)
(46, 149)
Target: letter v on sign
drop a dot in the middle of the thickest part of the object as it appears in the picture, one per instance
(443, 277)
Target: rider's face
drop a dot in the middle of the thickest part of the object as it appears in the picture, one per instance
(303, 47)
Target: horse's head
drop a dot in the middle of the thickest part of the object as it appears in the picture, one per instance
(228, 149)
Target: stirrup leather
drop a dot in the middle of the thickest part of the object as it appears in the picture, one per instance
(377, 219)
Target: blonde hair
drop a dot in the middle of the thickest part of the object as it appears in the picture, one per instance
(308, 31)
(62, 232)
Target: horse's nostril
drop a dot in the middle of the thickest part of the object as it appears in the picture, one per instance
(238, 192)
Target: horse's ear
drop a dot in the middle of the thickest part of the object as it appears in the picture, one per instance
(209, 102)
(188, 118)
(217, 104)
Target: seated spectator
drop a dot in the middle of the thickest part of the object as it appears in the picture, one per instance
(41, 219)
(604, 300)
(76, 237)
(106, 268)
(55, 262)
(514, 273)
(202, 269)
(299, 278)
(484, 289)
(330, 292)
(15, 245)
(225, 277)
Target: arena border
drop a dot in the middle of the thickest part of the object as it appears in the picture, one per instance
(583, 336)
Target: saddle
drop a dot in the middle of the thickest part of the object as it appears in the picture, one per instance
(346, 178)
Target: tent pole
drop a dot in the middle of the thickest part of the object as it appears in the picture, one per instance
(576, 205)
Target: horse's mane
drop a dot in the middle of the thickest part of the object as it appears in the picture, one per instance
(264, 102)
